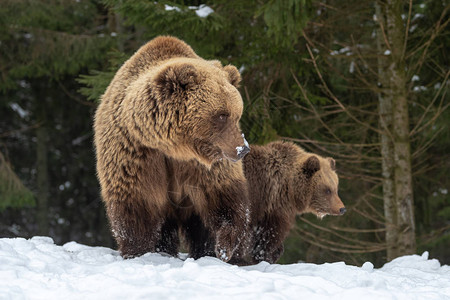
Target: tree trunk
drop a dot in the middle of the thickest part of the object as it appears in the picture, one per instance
(42, 169)
(394, 123)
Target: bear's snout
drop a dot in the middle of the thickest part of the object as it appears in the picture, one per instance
(337, 207)
(237, 152)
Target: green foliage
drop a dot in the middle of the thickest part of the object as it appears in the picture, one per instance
(12, 191)
(44, 46)
(285, 20)
(48, 39)
(96, 82)
(179, 19)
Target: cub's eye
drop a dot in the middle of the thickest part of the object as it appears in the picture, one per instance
(328, 191)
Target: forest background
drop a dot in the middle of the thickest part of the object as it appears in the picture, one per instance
(365, 82)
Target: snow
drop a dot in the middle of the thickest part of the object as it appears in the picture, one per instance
(352, 67)
(245, 141)
(170, 8)
(417, 16)
(240, 149)
(39, 269)
(19, 110)
(202, 11)
(344, 50)
(413, 28)
(419, 88)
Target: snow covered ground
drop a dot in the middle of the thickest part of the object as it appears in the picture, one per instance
(39, 269)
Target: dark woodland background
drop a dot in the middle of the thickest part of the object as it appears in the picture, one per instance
(365, 82)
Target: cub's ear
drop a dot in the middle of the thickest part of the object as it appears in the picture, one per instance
(332, 163)
(311, 166)
(233, 75)
(177, 78)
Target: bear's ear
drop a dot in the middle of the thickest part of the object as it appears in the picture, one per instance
(311, 166)
(332, 163)
(233, 75)
(216, 63)
(177, 78)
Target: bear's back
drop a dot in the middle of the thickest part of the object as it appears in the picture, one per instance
(153, 53)
(268, 170)
(145, 58)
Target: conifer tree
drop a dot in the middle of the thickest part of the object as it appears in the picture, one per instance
(42, 44)
(373, 61)
(12, 191)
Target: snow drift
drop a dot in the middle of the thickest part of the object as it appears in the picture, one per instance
(39, 269)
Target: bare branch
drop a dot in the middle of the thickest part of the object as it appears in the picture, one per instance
(416, 128)
(73, 97)
(314, 109)
(322, 243)
(354, 230)
(12, 132)
(325, 229)
(332, 96)
(434, 34)
(380, 19)
(423, 148)
(370, 217)
(408, 21)
(328, 143)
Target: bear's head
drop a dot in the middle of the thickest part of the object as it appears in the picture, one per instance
(319, 175)
(190, 109)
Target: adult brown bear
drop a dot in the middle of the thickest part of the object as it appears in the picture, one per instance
(168, 145)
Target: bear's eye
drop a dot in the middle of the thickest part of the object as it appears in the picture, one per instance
(327, 191)
(222, 118)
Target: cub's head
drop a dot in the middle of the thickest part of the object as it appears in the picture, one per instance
(192, 107)
(322, 186)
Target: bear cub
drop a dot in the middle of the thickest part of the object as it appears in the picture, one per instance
(285, 181)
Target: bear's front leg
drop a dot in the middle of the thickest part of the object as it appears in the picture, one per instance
(269, 236)
(227, 241)
(134, 229)
(229, 220)
(267, 251)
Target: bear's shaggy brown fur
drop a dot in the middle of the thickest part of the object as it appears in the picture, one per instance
(285, 181)
(166, 131)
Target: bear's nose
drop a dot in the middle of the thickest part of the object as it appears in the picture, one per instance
(342, 210)
(242, 151)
